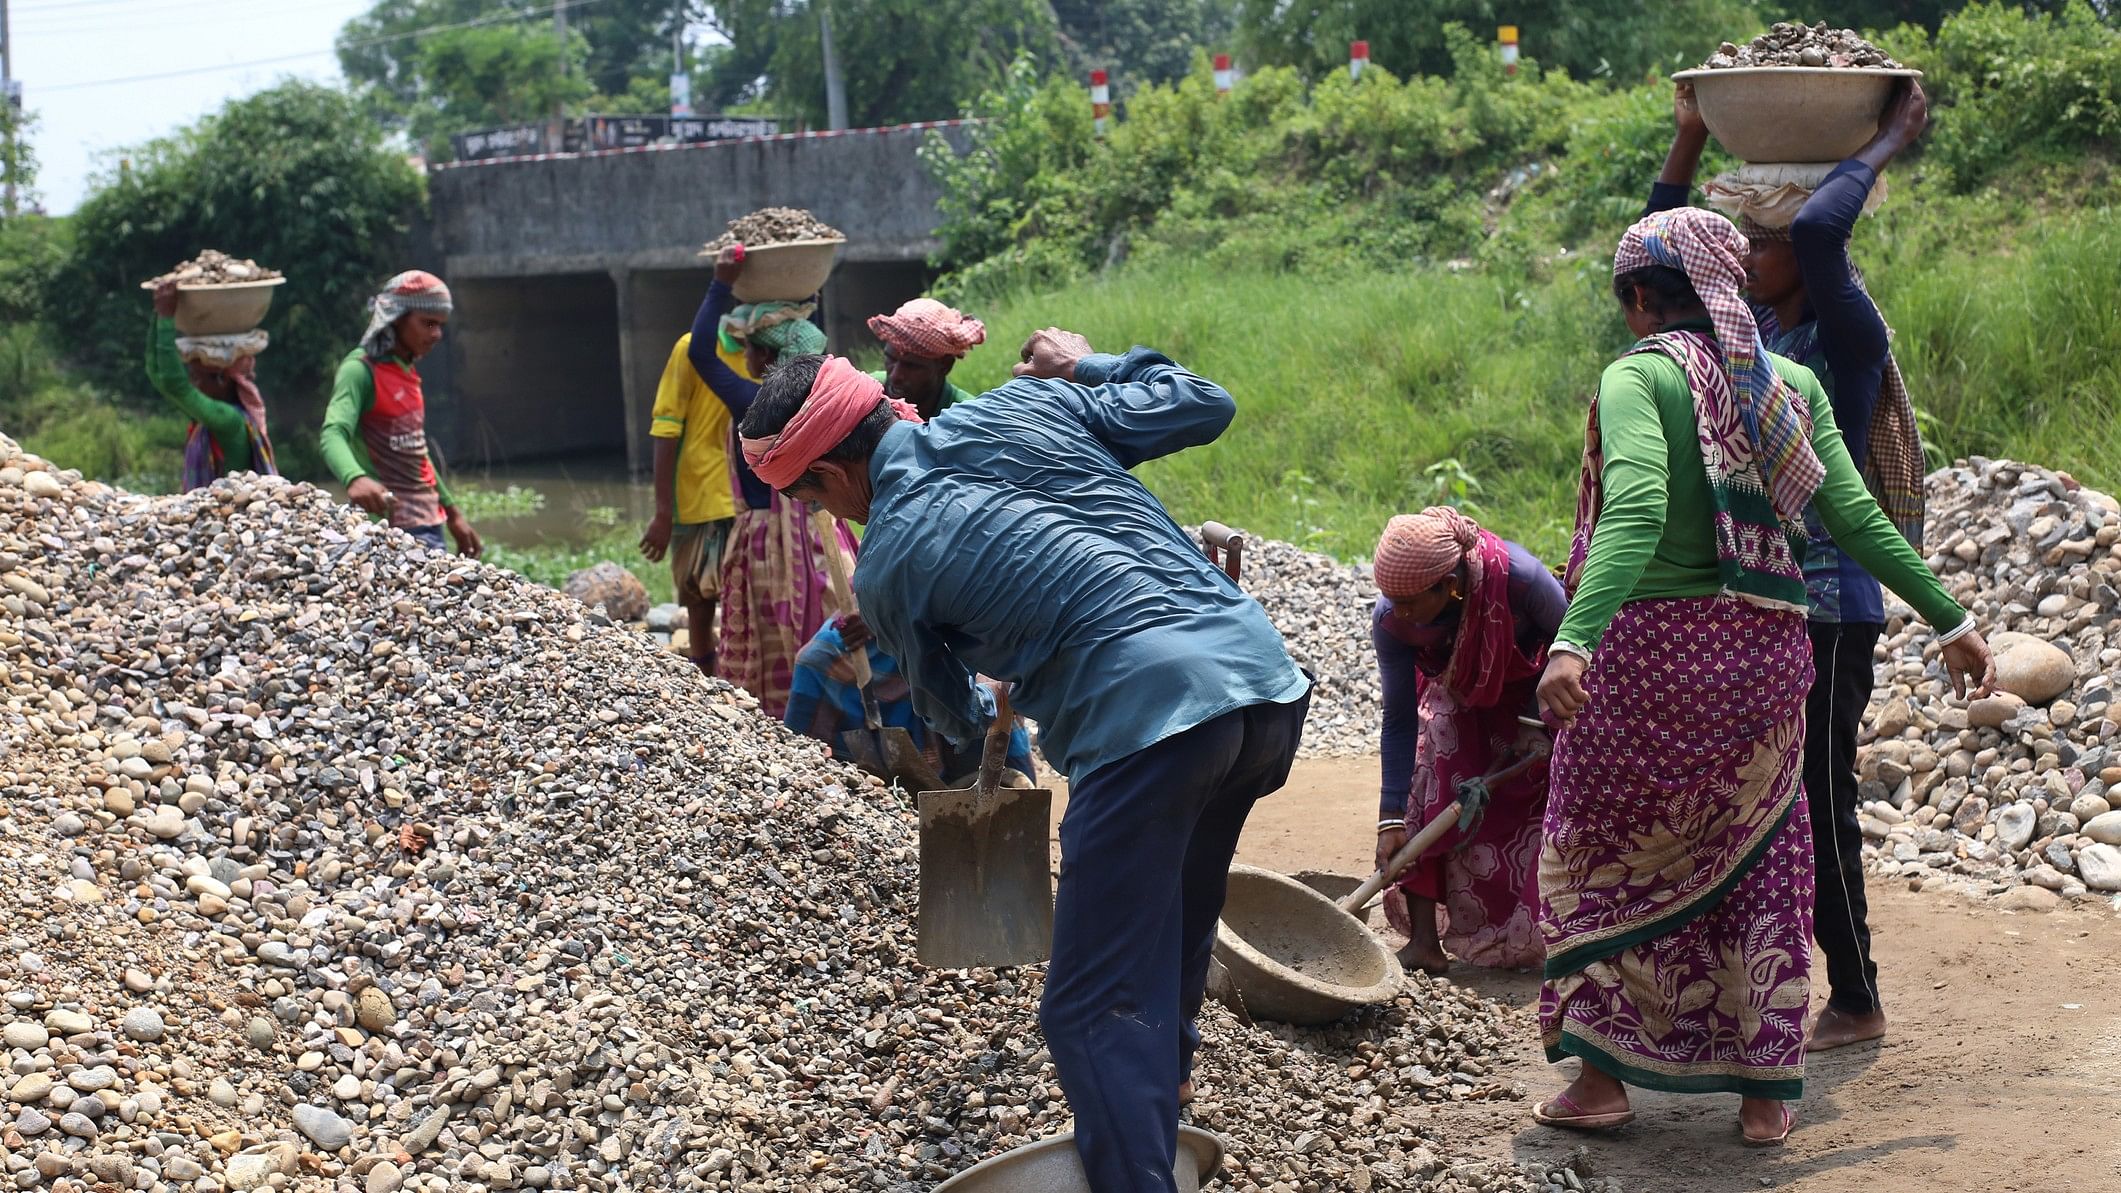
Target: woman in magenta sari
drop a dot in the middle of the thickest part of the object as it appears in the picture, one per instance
(1461, 628)
(1676, 876)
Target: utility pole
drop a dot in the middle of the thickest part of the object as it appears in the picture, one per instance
(835, 87)
(559, 27)
(7, 97)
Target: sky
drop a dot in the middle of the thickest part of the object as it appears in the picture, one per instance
(67, 52)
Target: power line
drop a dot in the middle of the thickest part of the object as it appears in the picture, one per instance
(179, 16)
(497, 18)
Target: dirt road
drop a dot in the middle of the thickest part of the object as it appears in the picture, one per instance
(2002, 1073)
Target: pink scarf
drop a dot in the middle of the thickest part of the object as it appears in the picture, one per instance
(840, 398)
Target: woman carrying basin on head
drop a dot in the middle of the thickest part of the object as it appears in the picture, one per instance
(1461, 628)
(1676, 874)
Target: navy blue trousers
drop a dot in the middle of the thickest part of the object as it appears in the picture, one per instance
(1145, 863)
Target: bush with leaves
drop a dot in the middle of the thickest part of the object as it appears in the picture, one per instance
(293, 177)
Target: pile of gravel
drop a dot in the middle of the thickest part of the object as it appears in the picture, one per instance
(2016, 788)
(215, 268)
(1322, 608)
(772, 225)
(328, 863)
(1793, 43)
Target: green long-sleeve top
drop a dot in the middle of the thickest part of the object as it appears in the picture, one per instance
(1653, 470)
(222, 420)
(353, 397)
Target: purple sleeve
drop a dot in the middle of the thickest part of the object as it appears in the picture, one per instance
(1536, 599)
(736, 392)
(1852, 335)
(1664, 196)
(1402, 716)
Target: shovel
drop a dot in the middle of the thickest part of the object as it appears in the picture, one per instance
(1472, 801)
(986, 881)
(888, 752)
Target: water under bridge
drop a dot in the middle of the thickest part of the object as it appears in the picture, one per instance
(575, 273)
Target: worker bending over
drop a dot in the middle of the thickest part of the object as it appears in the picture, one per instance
(1007, 538)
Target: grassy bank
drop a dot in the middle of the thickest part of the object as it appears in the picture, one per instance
(1367, 392)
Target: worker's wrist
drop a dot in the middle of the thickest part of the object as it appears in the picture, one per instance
(1562, 646)
(1391, 822)
(1965, 627)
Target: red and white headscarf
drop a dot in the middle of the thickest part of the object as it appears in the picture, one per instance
(928, 329)
(1418, 550)
(413, 290)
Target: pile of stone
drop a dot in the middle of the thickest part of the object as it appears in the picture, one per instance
(331, 864)
(772, 225)
(215, 268)
(1322, 607)
(2020, 787)
(1793, 43)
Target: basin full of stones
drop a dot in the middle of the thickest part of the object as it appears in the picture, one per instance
(331, 864)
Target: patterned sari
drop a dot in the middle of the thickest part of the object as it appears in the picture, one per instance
(1676, 876)
(1487, 881)
(774, 598)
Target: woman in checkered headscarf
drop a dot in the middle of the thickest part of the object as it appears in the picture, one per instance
(1676, 877)
(1460, 627)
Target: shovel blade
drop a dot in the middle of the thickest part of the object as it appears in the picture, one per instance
(904, 761)
(986, 878)
(861, 745)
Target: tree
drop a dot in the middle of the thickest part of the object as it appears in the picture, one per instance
(294, 177)
(904, 59)
(408, 59)
(18, 157)
(1143, 41)
(1622, 39)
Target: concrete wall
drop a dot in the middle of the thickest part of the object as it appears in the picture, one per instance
(654, 210)
(575, 276)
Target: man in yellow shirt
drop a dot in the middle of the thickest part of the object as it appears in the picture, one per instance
(694, 503)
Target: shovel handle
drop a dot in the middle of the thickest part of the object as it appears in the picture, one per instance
(839, 576)
(996, 750)
(1445, 821)
(1225, 547)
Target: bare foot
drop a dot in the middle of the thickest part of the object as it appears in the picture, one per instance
(1765, 1121)
(1430, 960)
(1835, 1028)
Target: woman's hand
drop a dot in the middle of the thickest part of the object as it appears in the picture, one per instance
(1686, 112)
(468, 544)
(369, 493)
(1389, 842)
(729, 264)
(166, 300)
(1968, 664)
(1561, 692)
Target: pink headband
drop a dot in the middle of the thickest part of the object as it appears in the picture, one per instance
(840, 398)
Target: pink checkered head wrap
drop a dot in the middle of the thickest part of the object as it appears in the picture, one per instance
(1418, 550)
(1710, 250)
(926, 328)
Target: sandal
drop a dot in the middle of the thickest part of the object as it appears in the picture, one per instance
(1789, 1120)
(1562, 1111)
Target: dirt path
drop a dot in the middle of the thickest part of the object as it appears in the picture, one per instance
(2002, 1073)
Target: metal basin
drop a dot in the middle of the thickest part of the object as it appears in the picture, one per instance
(1793, 113)
(1295, 956)
(1052, 1166)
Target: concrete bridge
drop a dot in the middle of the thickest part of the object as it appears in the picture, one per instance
(574, 274)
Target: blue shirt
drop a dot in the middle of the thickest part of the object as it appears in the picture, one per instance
(824, 702)
(1007, 538)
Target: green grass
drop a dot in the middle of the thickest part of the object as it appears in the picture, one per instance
(1352, 387)
(551, 563)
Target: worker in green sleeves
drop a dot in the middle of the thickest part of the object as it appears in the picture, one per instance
(211, 380)
(922, 341)
(375, 430)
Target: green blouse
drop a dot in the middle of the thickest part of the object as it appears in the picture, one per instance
(222, 420)
(1653, 466)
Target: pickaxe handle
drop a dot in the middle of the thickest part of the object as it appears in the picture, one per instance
(839, 576)
(1446, 819)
